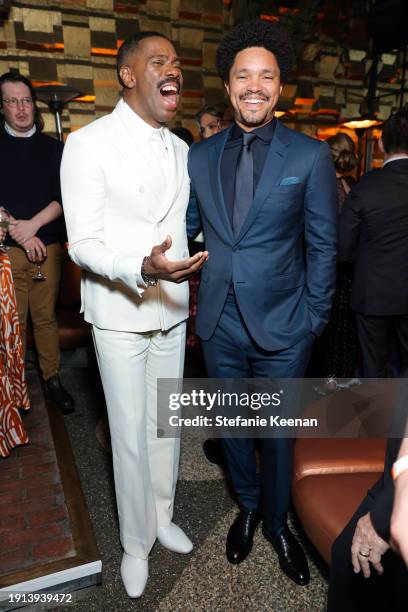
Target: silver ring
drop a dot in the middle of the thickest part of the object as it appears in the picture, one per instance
(364, 554)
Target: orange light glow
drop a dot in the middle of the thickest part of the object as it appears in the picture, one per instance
(325, 132)
(40, 83)
(304, 101)
(269, 17)
(356, 124)
(53, 46)
(84, 99)
(102, 51)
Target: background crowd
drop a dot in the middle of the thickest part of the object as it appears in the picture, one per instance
(366, 334)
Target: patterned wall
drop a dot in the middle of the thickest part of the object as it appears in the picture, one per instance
(75, 42)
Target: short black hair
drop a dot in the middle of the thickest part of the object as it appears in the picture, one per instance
(129, 45)
(256, 33)
(395, 133)
(16, 77)
(215, 110)
(184, 134)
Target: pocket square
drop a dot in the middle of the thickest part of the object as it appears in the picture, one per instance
(290, 180)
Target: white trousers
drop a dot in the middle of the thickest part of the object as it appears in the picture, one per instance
(145, 467)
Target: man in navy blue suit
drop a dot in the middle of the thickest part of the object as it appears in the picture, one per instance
(265, 197)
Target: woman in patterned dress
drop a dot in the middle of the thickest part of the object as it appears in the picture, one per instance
(13, 388)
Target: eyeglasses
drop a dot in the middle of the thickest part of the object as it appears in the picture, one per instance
(16, 101)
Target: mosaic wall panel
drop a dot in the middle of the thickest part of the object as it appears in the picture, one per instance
(75, 42)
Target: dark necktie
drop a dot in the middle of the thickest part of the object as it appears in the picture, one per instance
(244, 183)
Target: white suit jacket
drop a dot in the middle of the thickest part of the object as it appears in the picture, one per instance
(117, 205)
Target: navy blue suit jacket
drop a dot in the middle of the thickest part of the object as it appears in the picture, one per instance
(283, 262)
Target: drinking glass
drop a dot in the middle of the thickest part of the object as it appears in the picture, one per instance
(39, 276)
(4, 225)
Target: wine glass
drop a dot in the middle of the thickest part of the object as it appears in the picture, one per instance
(39, 276)
(4, 225)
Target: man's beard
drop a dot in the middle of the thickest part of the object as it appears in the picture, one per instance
(252, 119)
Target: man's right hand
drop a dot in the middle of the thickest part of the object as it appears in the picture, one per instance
(158, 266)
(35, 249)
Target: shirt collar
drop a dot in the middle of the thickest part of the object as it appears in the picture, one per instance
(264, 133)
(139, 126)
(396, 158)
(27, 134)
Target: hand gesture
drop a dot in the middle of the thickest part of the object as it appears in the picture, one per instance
(158, 266)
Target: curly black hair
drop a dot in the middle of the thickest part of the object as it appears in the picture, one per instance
(256, 33)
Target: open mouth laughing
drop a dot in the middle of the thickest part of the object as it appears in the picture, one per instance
(170, 91)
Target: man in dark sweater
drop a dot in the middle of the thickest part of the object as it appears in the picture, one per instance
(30, 191)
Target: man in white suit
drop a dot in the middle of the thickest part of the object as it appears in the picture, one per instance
(125, 188)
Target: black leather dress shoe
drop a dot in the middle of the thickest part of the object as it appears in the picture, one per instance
(292, 559)
(241, 535)
(214, 453)
(57, 395)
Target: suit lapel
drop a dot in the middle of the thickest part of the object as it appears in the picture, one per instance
(215, 152)
(132, 152)
(176, 172)
(271, 172)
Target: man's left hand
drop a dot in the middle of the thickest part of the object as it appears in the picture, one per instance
(21, 230)
(367, 547)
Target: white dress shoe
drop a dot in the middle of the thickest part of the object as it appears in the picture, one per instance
(134, 572)
(174, 538)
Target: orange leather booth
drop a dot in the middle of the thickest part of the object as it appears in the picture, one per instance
(331, 478)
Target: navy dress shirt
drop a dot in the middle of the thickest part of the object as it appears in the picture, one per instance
(230, 156)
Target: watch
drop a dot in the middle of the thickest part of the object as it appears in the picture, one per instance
(150, 281)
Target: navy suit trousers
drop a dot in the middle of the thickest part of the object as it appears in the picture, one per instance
(232, 353)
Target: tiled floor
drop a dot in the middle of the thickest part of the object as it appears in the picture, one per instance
(201, 581)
